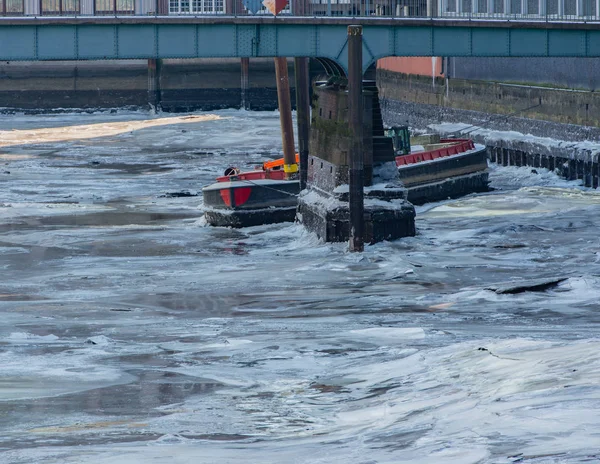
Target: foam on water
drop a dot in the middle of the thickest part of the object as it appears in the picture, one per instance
(265, 344)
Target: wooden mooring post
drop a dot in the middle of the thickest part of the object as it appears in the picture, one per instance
(355, 116)
(285, 117)
(302, 114)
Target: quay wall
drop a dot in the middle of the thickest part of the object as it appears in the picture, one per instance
(561, 105)
(191, 84)
(566, 72)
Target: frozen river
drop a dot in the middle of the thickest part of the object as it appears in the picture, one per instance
(133, 333)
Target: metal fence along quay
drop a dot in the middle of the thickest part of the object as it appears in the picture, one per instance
(508, 10)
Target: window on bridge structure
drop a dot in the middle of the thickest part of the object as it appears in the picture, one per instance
(11, 7)
(196, 6)
(114, 7)
(59, 7)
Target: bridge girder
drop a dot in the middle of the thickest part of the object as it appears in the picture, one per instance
(96, 38)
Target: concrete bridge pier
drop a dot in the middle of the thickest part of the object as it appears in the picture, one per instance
(345, 144)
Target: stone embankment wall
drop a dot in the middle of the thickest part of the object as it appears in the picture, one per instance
(185, 85)
(559, 129)
(580, 107)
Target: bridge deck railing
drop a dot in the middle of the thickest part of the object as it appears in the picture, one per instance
(503, 10)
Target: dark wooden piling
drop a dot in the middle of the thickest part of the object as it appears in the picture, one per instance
(355, 116)
(154, 72)
(285, 117)
(302, 115)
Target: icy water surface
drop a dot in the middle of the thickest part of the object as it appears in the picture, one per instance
(133, 333)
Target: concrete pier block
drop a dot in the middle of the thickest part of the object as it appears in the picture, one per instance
(323, 207)
(329, 217)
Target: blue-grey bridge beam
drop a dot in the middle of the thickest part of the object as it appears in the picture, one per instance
(97, 38)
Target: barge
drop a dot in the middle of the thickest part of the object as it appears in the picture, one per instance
(243, 199)
(432, 169)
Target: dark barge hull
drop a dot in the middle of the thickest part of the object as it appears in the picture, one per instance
(240, 203)
(447, 177)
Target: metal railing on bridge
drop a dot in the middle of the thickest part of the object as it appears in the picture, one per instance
(509, 10)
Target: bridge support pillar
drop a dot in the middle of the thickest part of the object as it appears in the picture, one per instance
(324, 207)
(154, 91)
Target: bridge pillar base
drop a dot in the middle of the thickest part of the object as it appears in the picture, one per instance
(385, 217)
(323, 206)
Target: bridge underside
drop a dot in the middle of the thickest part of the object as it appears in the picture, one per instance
(40, 39)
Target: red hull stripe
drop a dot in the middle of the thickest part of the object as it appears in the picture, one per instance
(460, 146)
(240, 196)
(225, 196)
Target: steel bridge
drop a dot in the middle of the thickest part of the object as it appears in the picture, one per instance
(156, 37)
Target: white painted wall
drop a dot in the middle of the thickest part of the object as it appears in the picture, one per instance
(32, 7)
